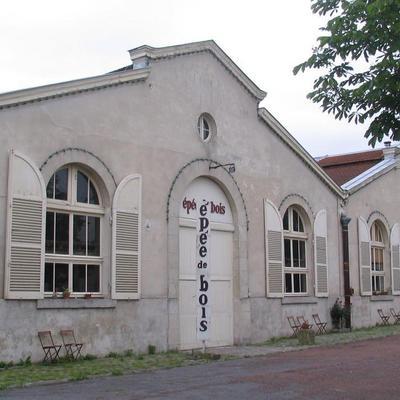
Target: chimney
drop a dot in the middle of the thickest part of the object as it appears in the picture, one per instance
(390, 151)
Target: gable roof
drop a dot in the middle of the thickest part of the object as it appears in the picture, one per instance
(342, 168)
(141, 66)
(299, 150)
(143, 55)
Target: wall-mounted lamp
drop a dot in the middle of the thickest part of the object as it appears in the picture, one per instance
(231, 166)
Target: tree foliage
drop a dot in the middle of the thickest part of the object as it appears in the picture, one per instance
(359, 54)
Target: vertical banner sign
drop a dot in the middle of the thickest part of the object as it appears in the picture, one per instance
(203, 268)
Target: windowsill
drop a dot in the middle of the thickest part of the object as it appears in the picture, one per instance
(75, 303)
(382, 297)
(299, 300)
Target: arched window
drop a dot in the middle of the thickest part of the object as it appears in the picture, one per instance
(295, 240)
(377, 258)
(73, 226)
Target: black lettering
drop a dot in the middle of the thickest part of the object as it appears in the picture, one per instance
(203, 284)
(203, 238)
(203, 223)
(203, 251)
(203, 210)
(203, 299)
(203, 312)
(203, 326)
(201, 265)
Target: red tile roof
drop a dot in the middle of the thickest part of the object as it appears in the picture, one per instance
(344, 167)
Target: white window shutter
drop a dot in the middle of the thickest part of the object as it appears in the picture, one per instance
(321, 254)
(26, 210)
(126, 239)
(364, 256)
(395, 258)
(273, 250)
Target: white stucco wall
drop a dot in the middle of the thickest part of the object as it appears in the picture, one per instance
(150, 128)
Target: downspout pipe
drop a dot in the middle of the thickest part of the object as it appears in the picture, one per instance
(345, 220)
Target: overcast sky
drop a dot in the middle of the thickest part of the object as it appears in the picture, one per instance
(47, 41)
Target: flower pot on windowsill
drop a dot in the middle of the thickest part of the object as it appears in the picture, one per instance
(66, 294)
(87, 296)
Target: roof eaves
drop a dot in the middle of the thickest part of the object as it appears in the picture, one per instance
(40, 93)
(368, 176)
(300, 151)
(210, 46)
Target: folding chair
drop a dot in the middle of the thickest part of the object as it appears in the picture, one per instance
(51, 350)
(72, 348)
(321, 326)
(302, 321)
(384, 318)
(395, 315)
(294, 325)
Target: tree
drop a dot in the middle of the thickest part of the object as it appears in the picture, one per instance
(360, 57)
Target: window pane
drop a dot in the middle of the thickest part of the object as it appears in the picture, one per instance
(79, 278)
(82, 188)
(296, 259)
(93, 198)
(379, 234)
(50, 188)
(61, 184)
(93, 236)
(61, 272)
(288, 283)
(381, 283)
(302, 249)
(80, 234)
(48, 277)
(296, 281)
(301, 226)
(303, 283)
(62, 233)
(295, 221)
(287, 253)
(93, 278)
(379, 259)
(49, 232)
(286, 221)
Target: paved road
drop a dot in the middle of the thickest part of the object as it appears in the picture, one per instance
(365, 370)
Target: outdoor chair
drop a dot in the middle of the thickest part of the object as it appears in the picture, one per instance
(302, 321)
(294, 325)
(51, 350)
(321, 326)
(395, 315)
(384, 317)
(72, 347)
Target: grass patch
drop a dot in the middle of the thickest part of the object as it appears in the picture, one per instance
(89, 366)
(333, 338)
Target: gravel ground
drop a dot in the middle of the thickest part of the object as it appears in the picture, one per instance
(365, 370)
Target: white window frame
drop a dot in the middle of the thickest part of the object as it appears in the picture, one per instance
(291, 235)
(377, 245)
(201, 128)
(72, 207)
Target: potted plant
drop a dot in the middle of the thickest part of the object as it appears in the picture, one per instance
(87, 296)
(66, 293)
(337, 314)
(306, 335)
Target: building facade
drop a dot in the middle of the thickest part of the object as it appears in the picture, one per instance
(100, 189)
